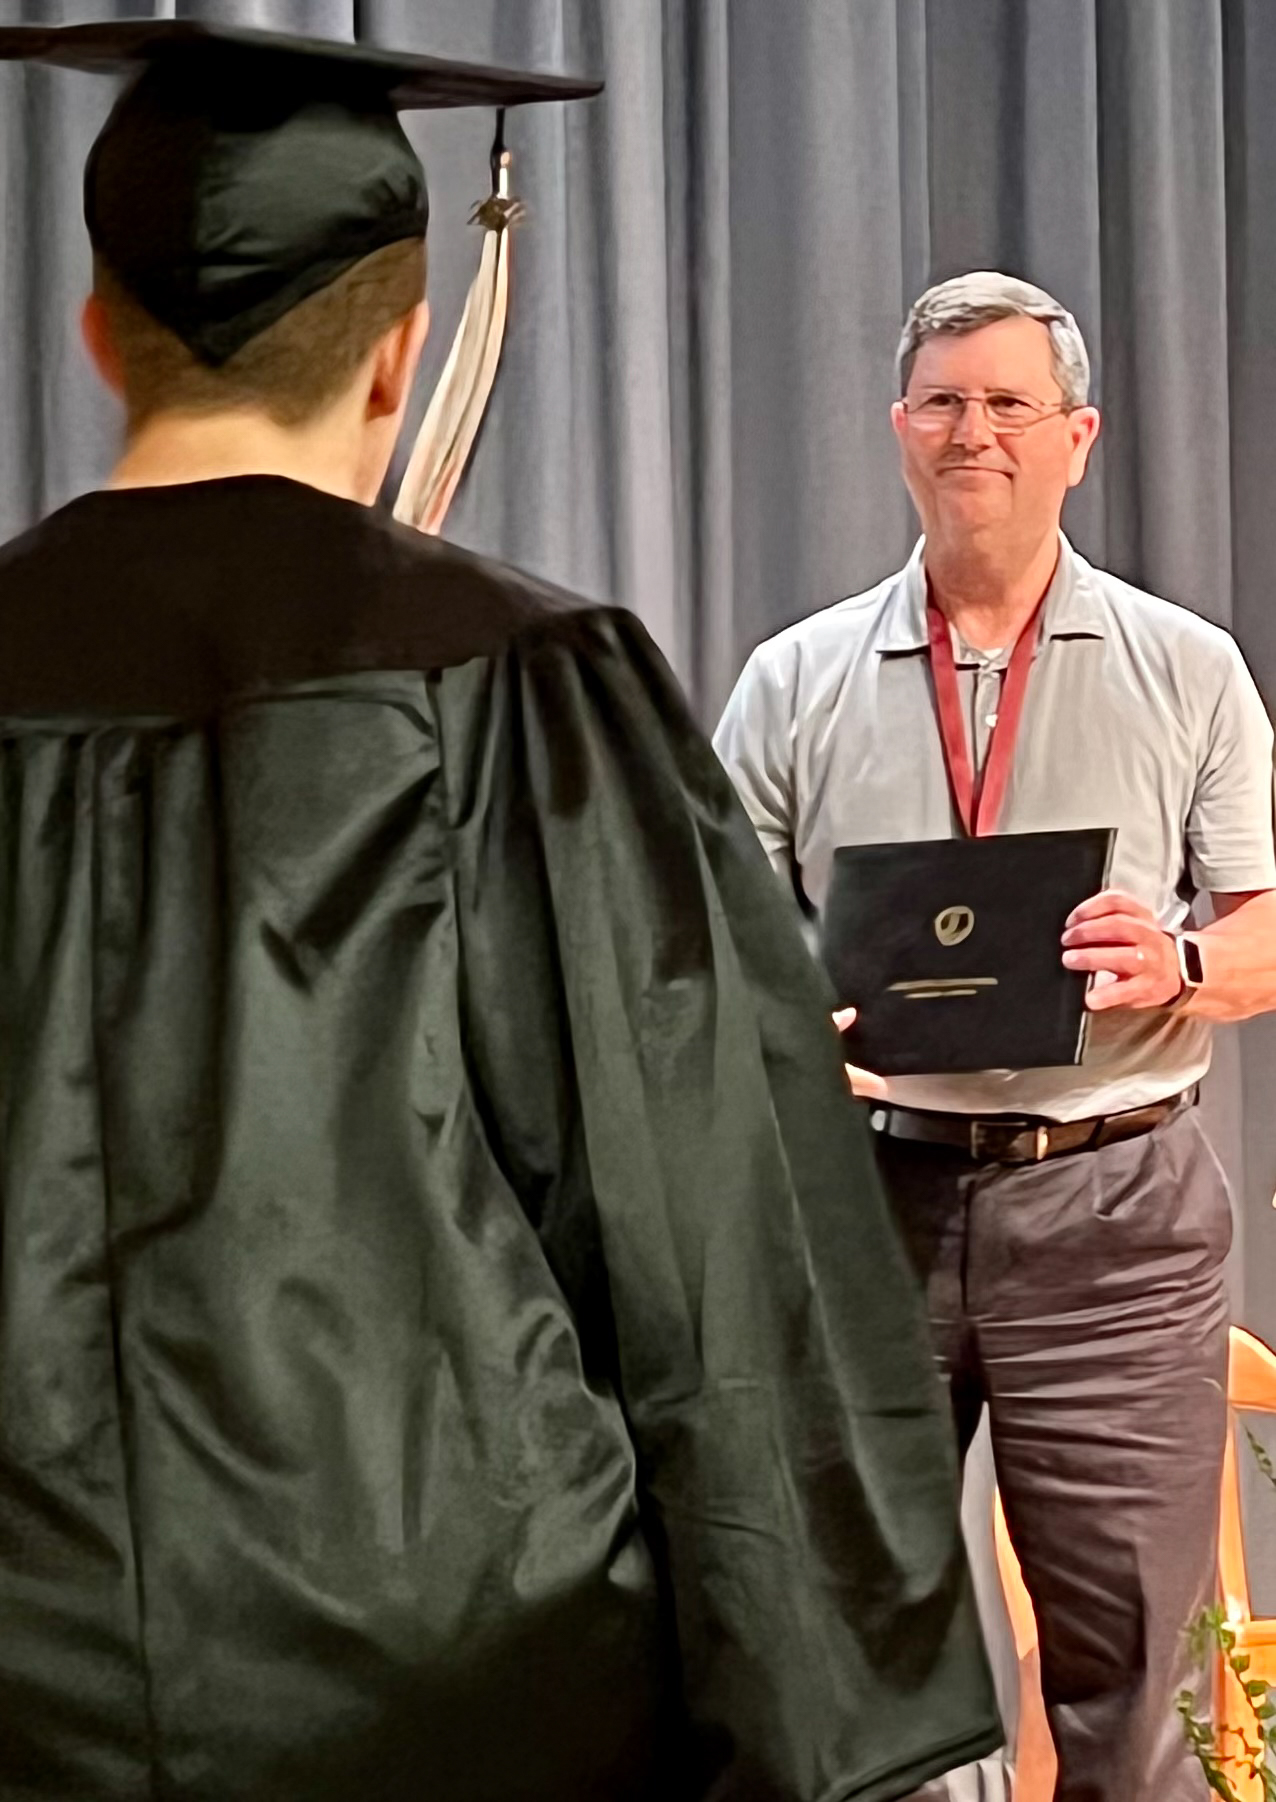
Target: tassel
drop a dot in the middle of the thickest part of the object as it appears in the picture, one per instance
(456, 408)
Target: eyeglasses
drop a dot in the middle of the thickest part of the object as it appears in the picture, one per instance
(1007, 414)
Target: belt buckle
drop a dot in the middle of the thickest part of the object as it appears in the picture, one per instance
(980, 1152)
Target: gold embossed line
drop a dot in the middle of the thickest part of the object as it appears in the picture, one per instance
(940, 988)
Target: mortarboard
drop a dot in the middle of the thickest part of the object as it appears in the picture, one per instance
(242, 171)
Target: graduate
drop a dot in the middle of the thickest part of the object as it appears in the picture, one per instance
(452, 1343)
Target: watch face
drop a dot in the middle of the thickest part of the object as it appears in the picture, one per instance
(1190, 956)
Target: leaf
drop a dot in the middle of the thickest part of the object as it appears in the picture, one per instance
(1220, 1784)
(1255, 1687)
(1261, 1458)
(1205, 1632)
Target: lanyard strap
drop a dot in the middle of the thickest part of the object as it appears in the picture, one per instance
(979, 806)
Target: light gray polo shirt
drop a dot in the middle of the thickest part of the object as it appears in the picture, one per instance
(1139, 715)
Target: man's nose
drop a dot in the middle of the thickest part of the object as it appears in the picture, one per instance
(972, 428)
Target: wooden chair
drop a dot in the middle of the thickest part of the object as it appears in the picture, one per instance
(1251, 1385)
(1035, 1763)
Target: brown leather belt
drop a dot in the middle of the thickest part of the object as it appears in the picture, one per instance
(1006, 1139)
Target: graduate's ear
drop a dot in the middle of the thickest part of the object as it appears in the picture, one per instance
(99, 341)
(394, 363)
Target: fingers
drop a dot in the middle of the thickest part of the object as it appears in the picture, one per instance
(1109, 929)
(866, 1083)
(1122, 960)
(1111, 901)
(1137, 991)
(1147, 986)
(1136, 964)
(1122, 977)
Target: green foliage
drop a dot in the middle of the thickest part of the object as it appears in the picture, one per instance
(1261, 1458)
(1253, 1743)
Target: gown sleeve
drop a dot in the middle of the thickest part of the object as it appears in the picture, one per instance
(652, 1051)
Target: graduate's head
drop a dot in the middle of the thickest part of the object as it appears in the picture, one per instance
(258, 218)
(993, 421)
(353, 344)
(258, 222)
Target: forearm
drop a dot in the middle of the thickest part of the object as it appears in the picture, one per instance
(1238, 962)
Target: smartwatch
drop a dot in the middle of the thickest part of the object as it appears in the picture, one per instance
(1191, 969)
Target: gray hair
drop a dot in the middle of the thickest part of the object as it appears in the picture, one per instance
(981, 298)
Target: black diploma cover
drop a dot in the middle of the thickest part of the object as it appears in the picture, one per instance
(950, 949)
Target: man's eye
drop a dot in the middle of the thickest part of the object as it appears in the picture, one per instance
(1009, 404)
(941, 403)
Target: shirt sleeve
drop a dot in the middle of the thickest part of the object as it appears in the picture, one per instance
(662, 1082)
(754, 741)
(1230, 820)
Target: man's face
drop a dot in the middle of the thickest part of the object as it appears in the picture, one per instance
(976, 477)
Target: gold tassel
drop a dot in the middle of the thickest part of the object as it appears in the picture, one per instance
(456, 408)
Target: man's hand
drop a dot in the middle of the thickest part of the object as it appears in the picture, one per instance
(1116, 935)
(863, 1082)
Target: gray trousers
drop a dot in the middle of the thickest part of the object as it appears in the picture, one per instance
(1082, 1300)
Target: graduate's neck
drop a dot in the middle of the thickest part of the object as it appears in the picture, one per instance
(331, 454)
(990, 590)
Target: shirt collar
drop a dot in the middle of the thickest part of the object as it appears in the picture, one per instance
(1072, 608)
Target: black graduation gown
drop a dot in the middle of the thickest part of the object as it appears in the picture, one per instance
(452, 1346)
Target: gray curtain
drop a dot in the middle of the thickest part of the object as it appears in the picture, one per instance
(692, 415)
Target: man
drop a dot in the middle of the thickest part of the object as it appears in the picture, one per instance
(451, 1341)
(1079, 1297)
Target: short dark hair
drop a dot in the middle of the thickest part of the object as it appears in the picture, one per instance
(292, 370)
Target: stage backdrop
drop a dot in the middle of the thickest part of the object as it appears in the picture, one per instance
(692, 416)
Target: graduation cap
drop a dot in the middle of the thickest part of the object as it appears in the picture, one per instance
(242, 171)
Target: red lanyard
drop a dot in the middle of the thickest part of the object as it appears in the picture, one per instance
(979, 807)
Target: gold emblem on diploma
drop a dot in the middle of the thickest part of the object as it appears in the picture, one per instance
(954, 925)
